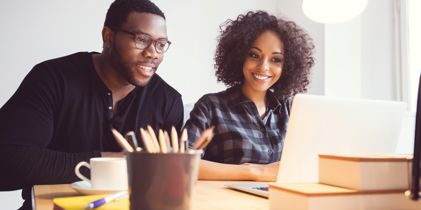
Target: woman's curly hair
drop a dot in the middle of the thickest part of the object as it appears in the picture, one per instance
(237, 38)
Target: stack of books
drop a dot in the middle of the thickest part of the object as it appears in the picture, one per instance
(350, 183)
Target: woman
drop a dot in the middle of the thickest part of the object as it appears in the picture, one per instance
(264, 61)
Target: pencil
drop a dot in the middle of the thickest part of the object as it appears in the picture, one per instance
(153, 138)
(204, 139)
(121, 141)
(147, 142)
(208, 140)
(183, 140)
(162, 141)
(174, 139)
(167, 141)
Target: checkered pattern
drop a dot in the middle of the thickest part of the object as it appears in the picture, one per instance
(241, 135)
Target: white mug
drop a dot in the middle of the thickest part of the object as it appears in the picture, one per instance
(106, 173)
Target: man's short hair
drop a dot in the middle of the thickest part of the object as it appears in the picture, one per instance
(120, 9)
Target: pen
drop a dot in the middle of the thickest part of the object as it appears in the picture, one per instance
(102, 201)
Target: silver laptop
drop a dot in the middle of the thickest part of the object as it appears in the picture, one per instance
(256, 188)
(321, 124)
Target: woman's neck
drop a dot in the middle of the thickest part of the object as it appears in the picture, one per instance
(257, 97)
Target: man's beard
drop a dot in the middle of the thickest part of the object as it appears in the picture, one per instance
(121, 68)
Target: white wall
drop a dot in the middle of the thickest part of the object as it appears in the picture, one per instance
(291, 9)
(378, 51)
(343, 59)
(355, 58)
(33, 31)
(360, 54)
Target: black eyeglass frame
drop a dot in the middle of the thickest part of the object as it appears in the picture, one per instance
(138, 42)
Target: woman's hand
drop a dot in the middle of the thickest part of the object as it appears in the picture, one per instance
(232, 172)
(264, 172)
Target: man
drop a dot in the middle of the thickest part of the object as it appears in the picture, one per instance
(64, 109)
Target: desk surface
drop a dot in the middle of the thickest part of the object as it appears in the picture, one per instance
(206, 195)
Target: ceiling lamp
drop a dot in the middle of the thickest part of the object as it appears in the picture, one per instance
(333, 11)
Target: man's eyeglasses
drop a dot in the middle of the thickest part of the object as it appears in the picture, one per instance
(143, 41)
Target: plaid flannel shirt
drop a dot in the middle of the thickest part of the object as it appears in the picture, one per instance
(241, 135)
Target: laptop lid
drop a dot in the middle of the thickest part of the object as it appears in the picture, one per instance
(322, 124)
(256, 188)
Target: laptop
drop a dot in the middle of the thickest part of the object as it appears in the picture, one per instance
(332, 125)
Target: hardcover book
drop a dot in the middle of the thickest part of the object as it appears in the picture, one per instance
(375, 172)
(316, 196)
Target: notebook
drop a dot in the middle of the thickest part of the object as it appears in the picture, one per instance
(331, 125)
(80, 202)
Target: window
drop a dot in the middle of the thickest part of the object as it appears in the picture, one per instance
(414, 50)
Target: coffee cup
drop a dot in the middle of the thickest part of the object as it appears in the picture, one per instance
(106, 173)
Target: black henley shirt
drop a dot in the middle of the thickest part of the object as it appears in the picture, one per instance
(62, 114)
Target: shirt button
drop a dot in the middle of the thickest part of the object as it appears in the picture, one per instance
(110, 107)
(109, 93)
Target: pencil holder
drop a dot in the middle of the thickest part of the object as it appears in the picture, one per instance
(162, 181)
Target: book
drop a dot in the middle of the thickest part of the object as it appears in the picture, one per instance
(316, 196)
(370, 172)
(80, 202)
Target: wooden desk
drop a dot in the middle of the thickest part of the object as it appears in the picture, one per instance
(207, 195)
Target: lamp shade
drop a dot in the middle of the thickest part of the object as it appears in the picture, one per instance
(333, 11)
